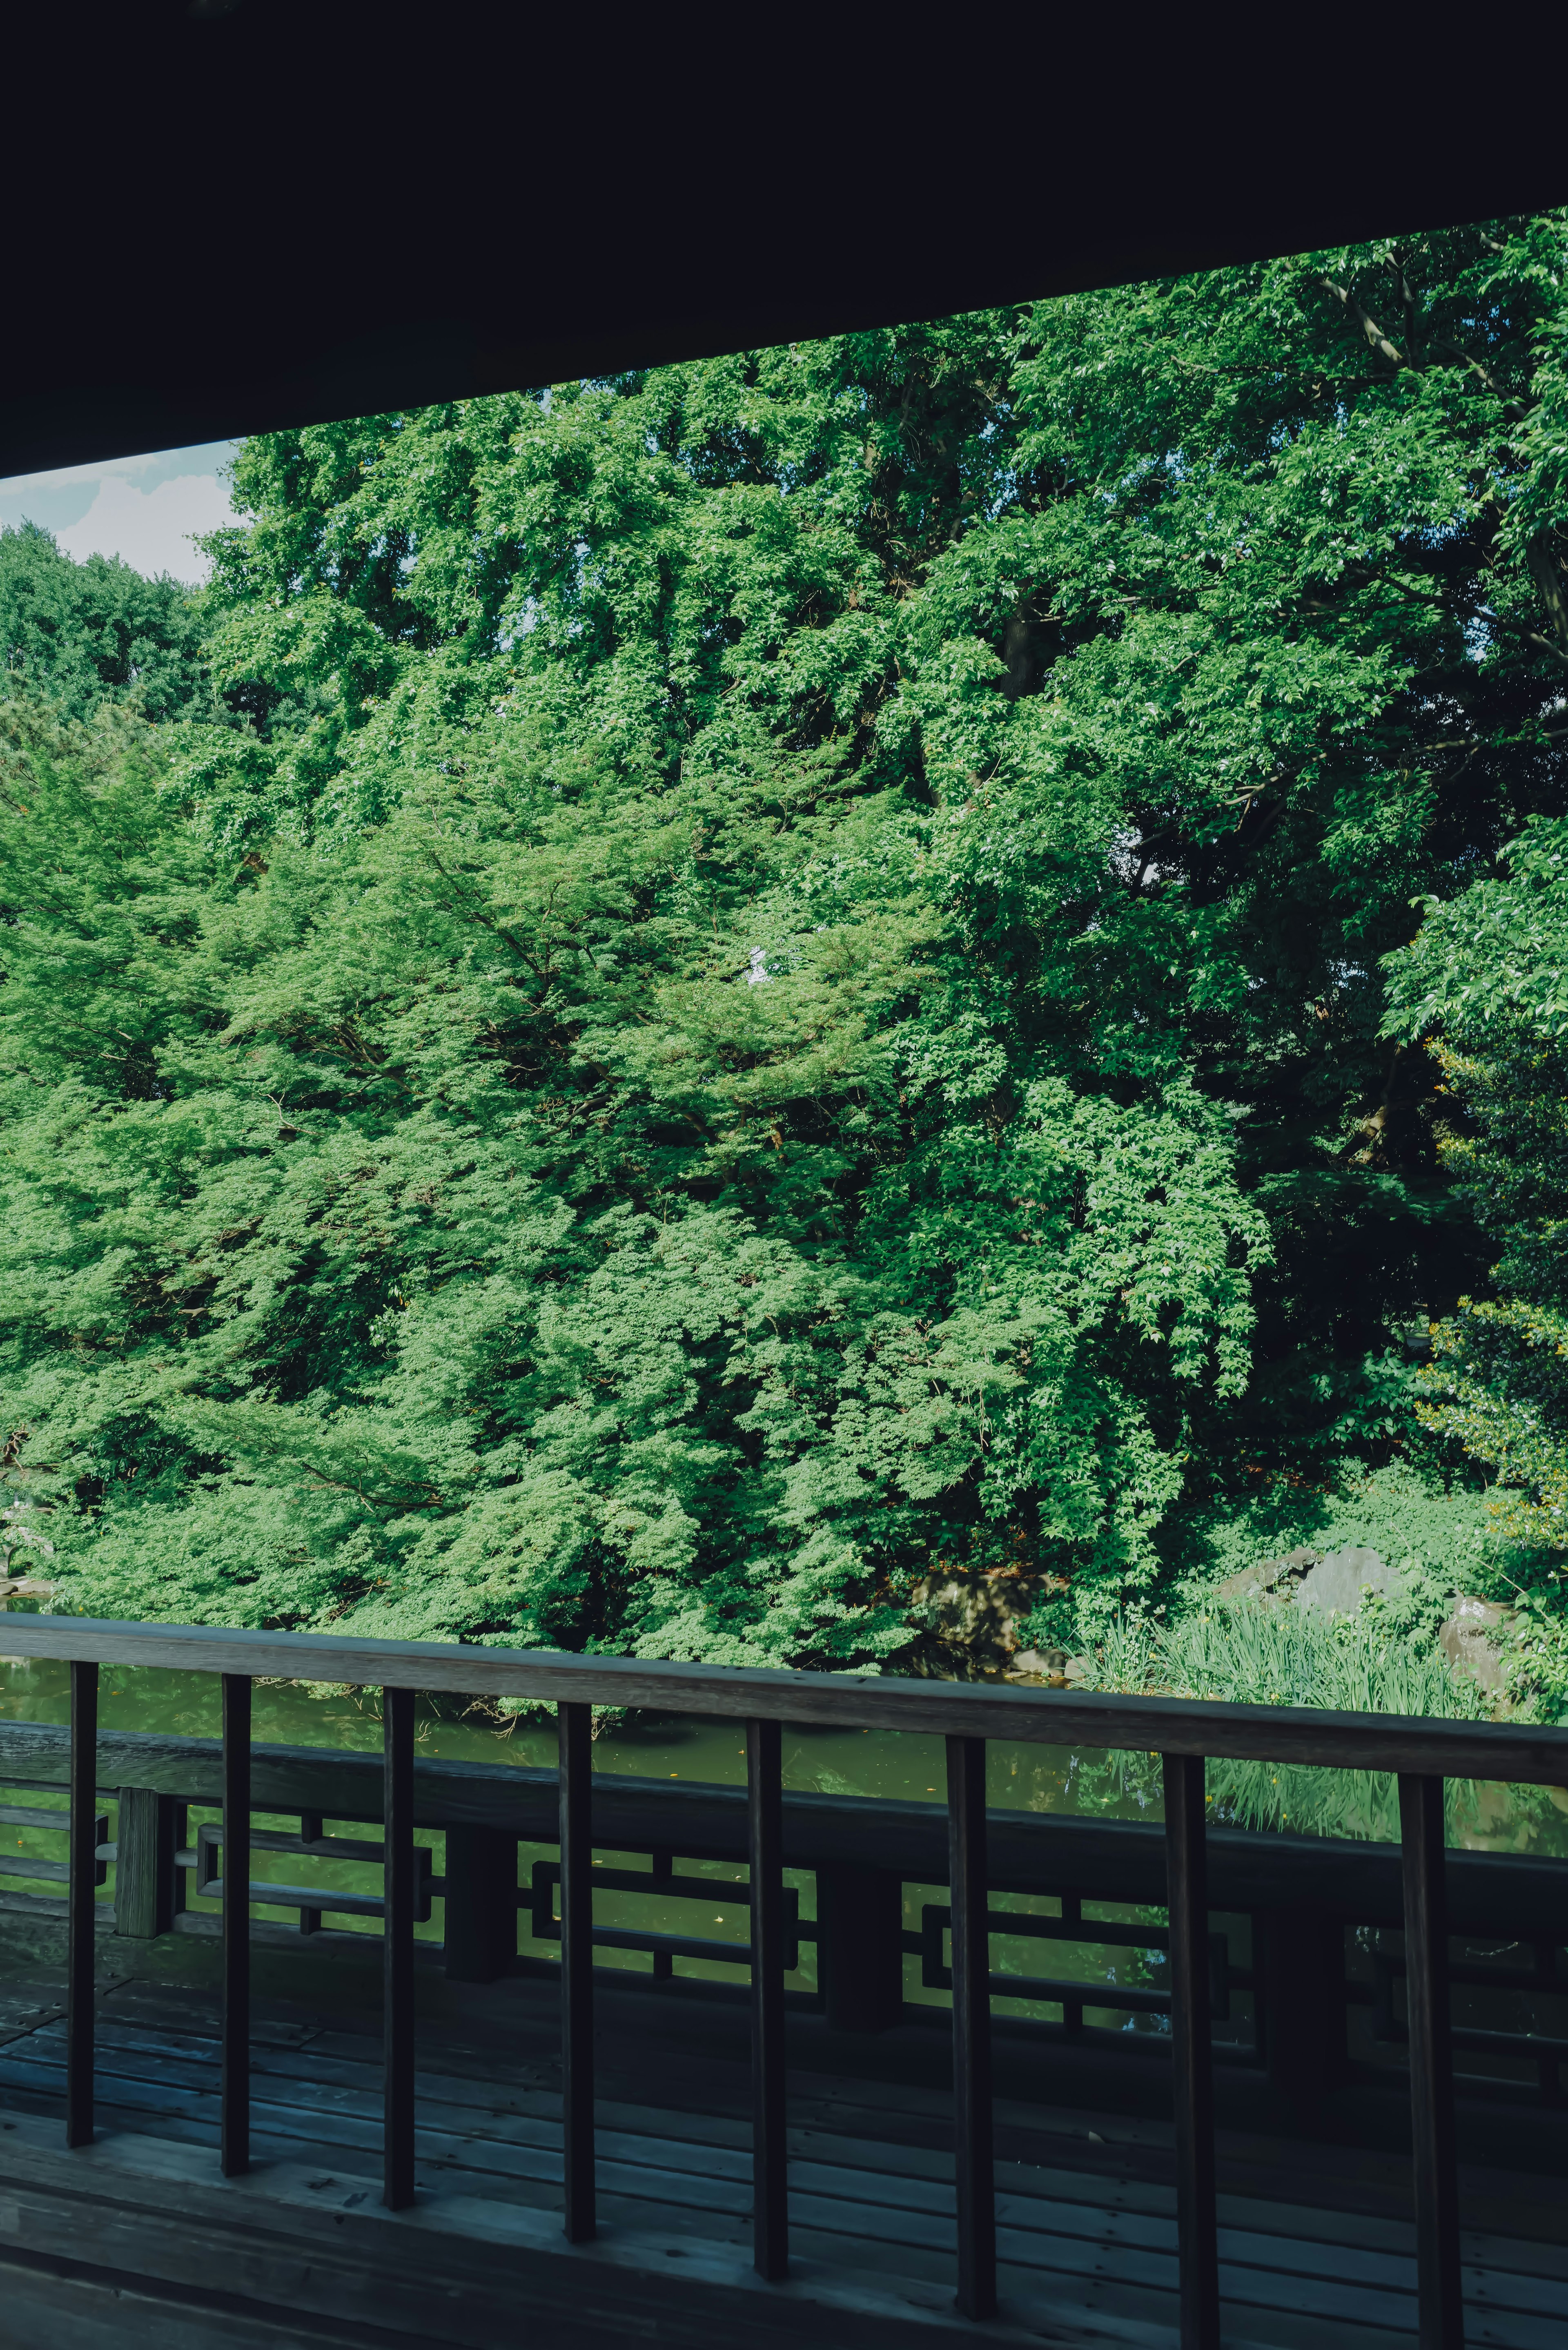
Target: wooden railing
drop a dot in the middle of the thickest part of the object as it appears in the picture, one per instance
(1421, 1752)
(1289, 1988)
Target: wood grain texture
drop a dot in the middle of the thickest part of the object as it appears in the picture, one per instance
(973, 2150)
(875, 2215)
(575, 1834)
(144, 1864)
(1355, 1742)
(764, 1870)
(1192, 2084)
(479, 1915)
(1434, 2163)
(236, 1922)
(397, 1951)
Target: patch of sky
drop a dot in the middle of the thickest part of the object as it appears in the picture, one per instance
(520, 622)
(146, 509)
(1005, 494)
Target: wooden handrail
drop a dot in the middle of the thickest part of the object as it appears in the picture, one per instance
(1186, 1731)
(1411, 1745)
(1108, 1860)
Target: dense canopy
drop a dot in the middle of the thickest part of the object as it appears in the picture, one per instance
(742, 993)
(85, 632)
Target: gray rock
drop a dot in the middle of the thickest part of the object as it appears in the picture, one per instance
(1341, 1581)
(1275, 1576)
(1036, 1664)
(23, 1587)
(1465, 1640)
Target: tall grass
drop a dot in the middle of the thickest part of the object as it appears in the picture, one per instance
(1257, 1654)
(1261, 1655)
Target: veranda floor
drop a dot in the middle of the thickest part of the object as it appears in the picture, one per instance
(1315, 2248)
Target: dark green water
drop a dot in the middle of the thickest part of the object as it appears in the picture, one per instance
(865, 1763)
(830, 1762)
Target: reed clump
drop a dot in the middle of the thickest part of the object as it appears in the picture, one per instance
(1255, 1652)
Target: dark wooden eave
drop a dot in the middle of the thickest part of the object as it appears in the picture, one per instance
(230, 216)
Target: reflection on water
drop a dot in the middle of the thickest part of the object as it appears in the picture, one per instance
(888, 1763)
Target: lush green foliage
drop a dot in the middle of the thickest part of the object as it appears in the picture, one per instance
(334, 1309)
(771, 983)
(1442, 1540)
(88, 632)
(1483, 982)
(1259, 1653)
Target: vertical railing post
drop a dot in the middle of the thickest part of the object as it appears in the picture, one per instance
(1441, 2325)
(860, 1945)
(479, 1903)
(144, 1863)
(311, 1825)
(1192, 2081)
(397, 1949)
(574, 1724)
(82, 1907)
(661, 1867)
(764, 1864)
(235, 2151)
(970, 1896)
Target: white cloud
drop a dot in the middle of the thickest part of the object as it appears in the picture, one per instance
(151, 529)
(66, 476)
(143, 508)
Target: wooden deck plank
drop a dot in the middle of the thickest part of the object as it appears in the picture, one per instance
(904, 2180)
(896, 2187)
(1100, 2240)
(1091, 2258)
(657, 2060)
(325, 2241)
(1106, 2306)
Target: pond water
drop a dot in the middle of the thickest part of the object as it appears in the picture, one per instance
(911, 1766)
(712, 1750)
(829, 1761)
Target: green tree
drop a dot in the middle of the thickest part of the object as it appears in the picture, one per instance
(777, 986)
(1223, 613)
(1483, 985)
(88, 632)
(454, 1232)
(1486, 983)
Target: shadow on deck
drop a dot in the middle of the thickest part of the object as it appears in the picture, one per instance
(136, 2239)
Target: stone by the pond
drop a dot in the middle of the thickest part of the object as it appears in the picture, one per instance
(1275, 1576)
(1465, 1639)
(1036, 1664)
(1341, 1581)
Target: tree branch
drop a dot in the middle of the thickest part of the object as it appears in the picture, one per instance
(1516, 410)
(1549, 582)
(1534, 636)
(1366, 321)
